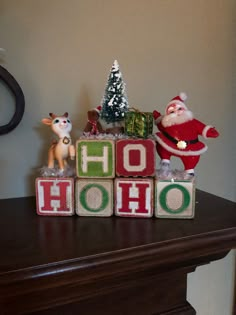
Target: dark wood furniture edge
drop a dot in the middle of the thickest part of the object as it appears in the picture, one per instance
(197, 249)
(82, 279)
(138, 279)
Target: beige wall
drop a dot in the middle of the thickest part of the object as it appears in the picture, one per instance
(61, 52)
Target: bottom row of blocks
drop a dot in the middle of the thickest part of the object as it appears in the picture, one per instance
(136, 197)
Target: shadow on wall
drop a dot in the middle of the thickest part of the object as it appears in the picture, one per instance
(79, 119)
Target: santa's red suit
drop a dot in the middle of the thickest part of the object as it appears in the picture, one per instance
(181, 139)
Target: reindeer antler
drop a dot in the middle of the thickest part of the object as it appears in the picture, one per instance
(52, 115)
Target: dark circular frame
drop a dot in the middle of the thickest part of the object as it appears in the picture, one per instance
(17, 92)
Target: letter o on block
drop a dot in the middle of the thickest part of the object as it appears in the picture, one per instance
(135, 158)
(94, 197)
(92, 205)
(175, 199)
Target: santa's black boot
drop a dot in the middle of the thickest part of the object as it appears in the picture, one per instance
(189, 174)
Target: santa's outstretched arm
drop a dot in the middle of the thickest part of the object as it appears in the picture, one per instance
(157, 119)
(207, 131)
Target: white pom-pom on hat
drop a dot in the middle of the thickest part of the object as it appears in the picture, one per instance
(183, 96)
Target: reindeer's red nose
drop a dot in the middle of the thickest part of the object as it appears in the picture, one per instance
(63, 124)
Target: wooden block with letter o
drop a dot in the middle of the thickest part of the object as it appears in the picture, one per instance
(94, 197)
(95, 158)
(133, 197)
(175, 199)
(55, 196)
(135, 157)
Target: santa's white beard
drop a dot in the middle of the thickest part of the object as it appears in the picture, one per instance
(174, 119)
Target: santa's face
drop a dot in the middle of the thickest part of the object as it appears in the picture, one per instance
(176, 114)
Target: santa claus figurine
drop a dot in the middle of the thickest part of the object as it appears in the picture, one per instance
(178, 135)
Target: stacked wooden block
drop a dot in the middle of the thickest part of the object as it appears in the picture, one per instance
(115, 177)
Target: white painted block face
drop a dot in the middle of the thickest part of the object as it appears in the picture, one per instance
(55, 196)
(175, 199)
(94, 197)
(134, 197)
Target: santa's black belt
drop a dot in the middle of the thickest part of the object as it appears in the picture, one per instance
(181, 144)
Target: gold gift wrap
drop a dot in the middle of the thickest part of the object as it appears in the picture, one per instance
(138, 124)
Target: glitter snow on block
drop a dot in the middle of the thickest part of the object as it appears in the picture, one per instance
(135, 157)
(94, 197)
(175, 199)
(55, 196)
(95, 158)
(133, 197)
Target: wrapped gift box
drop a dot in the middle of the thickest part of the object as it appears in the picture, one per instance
(138, 124)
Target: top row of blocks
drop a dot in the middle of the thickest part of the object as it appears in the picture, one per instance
(110, 158)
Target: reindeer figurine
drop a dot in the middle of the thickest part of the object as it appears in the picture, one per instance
(61, 149)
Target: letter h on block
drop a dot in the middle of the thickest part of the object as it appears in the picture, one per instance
(134, 197)
(55, 196)
(95, 158)
(175, 200)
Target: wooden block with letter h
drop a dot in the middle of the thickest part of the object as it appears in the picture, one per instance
(133, 197)
(95, 158)
(94, 197)
(55, 196)
(135, 157)
(175, 199)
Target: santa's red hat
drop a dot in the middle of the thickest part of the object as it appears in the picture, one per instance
(177, 100)
(98, 109)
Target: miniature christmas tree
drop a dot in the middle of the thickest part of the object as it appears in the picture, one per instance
(115, 102)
